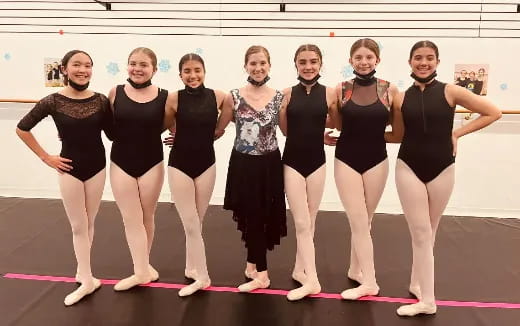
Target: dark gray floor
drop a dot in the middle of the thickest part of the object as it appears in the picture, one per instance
(476, 260)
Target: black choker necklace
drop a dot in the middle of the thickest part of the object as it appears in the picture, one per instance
(78, 87)
(258, 83)
(138, 86)
(366, 79)
(426, 79)
(194, 90)
(309, 81)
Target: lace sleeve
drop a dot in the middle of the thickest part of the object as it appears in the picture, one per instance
(108, 117)
(42, 109)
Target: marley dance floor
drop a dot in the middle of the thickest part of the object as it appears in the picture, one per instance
(477, 272)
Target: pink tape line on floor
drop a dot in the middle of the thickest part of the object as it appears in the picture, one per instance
(447, 303)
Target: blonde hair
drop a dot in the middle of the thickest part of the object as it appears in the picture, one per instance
(146, 51)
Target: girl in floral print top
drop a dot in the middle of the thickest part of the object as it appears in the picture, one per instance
(254, 187)
(256, 129)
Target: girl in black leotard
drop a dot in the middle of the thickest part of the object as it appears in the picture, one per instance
(361, 164)
(425, 168)
(303, 122)
(80, 115)
(192, 162)
(136, 171)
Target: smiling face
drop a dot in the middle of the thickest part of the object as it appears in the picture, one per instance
(308, 64)
(192, 73)
(423, 62)
(141, 67)
(364, 60)
(78, 68)
(258, 66)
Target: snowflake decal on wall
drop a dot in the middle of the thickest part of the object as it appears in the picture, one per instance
(164, 65)
(199, 51)
(112, 68)
(503, 86)
(7, 56)
(347, 71)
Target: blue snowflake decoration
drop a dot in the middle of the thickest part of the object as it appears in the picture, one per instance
(164, 65)
(503, 86)
(112, 68)
(400, 83)
(347, 71)
(199, 51)
(7, 56)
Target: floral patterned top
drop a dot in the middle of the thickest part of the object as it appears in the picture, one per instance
(256, 130)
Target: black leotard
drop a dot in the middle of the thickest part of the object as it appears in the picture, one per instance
(196, 118)
(137, 143)
(79, 123)
(306, 117)
(427, 147)
(361, 144)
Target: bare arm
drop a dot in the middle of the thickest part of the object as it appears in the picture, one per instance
(335, 116)
(396, 117)
(332, 116)
(170, 109)
(489, 113)
(226, 115)
(220, 97)
(282, 116)
(111, 97)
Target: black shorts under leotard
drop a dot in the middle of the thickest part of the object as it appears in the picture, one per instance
(427, 147)
(196, 118)
(137, 143)
(79, 123)
(306, 117)
(361, 144)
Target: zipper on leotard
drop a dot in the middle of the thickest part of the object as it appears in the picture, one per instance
(425, 129)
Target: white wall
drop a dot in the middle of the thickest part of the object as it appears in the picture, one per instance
(487, 181)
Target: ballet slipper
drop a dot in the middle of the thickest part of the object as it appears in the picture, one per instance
(416, 309)
(250, 275)
(131, 281)
(299, 277)
(358, 292)
(154, 274)
(254, 284)
(307, 289)
(85, 289)
(194, 287)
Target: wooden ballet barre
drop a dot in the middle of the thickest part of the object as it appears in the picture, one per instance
(17, 100)
(459, 110)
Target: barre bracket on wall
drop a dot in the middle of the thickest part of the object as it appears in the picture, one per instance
(107, 5)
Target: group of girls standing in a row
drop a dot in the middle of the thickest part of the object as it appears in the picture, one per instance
(135, 114)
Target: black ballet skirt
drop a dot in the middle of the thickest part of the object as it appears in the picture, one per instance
(255, 193)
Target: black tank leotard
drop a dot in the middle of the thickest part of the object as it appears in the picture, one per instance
(427, 147)
(361, 144)
(196, 118)
(79, 123)
(306, 117)
(137, 143)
